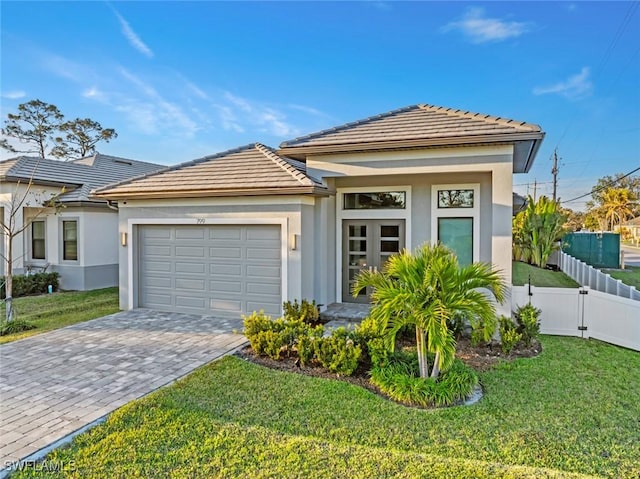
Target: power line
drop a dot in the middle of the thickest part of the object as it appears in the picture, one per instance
(600, 188)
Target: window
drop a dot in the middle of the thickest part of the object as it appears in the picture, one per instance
(380, 200)
(70, 240)
(457, 235)
(37, 240)
(455, 198)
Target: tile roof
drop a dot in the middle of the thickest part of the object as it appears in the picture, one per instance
(253, 169)
(422, 126)
(78, 177)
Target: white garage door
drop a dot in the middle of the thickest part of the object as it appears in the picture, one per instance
(225, 270)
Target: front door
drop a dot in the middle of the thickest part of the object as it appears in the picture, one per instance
(367, 244)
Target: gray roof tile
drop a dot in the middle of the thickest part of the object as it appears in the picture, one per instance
(79, 177)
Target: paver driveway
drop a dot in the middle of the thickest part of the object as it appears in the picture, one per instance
(58, 382)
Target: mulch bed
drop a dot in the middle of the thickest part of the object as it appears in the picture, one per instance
(480, 358)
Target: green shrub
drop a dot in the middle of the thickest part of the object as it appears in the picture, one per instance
(482, 330)
(509, 334)
(273, 337)
(24, 285)
(304, 311)
(528, 318)
(456, 323)
(370, 336)
(399, 379)
(338, 353)
(15, 326)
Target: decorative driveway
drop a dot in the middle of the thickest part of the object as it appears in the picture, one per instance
(55, 383)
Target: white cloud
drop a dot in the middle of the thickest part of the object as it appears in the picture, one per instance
(94, 93)
(164, 112)
(481, 29)
(134, 39)
(574, 88)
(241, 111)
(65, 68)
(14, 94)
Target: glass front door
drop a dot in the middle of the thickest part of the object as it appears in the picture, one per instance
(367, 244)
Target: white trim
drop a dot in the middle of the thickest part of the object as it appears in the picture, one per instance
(473, 212)
(61, 260)
(203, 221)
(382, 214)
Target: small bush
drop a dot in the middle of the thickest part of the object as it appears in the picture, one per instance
(304, 311)
(528, 318)
(271, 338)
(369, 335)
(15, 326)
(509, 334)
(338, 353)
(400, 380)
(482, 330)
(457, 323)
(24, 285)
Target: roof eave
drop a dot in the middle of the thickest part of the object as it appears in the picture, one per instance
(35, 181)
(300, 152)
(204, 193)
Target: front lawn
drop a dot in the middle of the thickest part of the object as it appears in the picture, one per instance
(630, 275)
(521, 272)
(53, 311)
(570, 412)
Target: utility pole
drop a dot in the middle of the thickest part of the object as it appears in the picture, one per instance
(554, 172)
(535, 189)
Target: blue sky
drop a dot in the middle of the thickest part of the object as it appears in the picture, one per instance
(180, 80)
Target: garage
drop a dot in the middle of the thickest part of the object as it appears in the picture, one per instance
(222, 270)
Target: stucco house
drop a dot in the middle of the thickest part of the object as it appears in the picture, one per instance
(249, 228)
(79, 237)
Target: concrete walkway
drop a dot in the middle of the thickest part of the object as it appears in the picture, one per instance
(56, 383)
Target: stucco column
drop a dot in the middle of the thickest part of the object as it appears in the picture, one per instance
(502, 208)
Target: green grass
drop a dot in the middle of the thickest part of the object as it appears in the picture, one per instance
(53, 311)
(521, 273)
(630, 275)
(570, 412)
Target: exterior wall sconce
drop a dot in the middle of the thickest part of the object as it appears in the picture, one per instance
(294, 242)
(123, 238)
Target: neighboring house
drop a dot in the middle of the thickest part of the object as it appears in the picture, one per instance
(78, 238)
(249, 228)
(633, 227)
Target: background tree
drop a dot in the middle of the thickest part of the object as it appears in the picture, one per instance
(616, 206)
(33, 126)
(80, 138)
(631, 183)
(41, 128)
(575, 219)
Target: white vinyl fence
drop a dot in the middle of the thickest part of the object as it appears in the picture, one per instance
(587, 275)
(583, 312)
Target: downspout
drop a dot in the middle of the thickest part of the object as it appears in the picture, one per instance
(110, 205)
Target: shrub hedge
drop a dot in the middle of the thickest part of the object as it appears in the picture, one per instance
(37, 283)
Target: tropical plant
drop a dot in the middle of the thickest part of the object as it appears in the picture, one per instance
(424, 289)
(509, 335)
(537, 230)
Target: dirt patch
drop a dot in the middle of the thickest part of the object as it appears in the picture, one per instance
(482, 358)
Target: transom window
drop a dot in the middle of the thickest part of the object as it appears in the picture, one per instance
(37, 240)
(70, 240)
(377, 200)
(455, 198)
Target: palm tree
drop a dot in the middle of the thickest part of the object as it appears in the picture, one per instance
(425, 289)
(616, 206)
